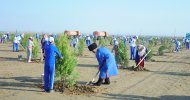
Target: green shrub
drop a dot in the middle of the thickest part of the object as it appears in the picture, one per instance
(149, 56)
(161, 50)
(81, 46)
(35, 49)
(65, 67)
(123, 58)
(102, 42)
(25, 40)
(94, 39)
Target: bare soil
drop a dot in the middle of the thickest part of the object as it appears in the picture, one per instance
(168, 78)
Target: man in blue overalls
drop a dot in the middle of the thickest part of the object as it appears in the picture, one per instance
(107, 64)
(49, 66)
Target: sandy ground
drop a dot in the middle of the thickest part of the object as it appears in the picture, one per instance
(169, 79)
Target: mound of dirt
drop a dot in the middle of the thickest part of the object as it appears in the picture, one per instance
(78, 89)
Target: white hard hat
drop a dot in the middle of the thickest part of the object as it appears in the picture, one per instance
(51, 39)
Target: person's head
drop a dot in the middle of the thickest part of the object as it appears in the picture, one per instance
(30, 38)
(140, 47)
(51, 40)
(93, 47)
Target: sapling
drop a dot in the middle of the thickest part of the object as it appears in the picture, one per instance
(161, 50)
(65, 67)
(102, 42)
(81, 46)
(149, 56)
(123, 58)
(35, 49)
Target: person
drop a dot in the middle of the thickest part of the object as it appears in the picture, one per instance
(132, 48)
(15, 44)
(177, 45)
(49, 65)
(74, 42)
(187, 43)
(44, 41)
(125, 40)
(37, 36)
(140, 53)
(107, 64)
(87, 40)
(30, 45)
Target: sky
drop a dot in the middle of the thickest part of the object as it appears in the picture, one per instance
(139, 17)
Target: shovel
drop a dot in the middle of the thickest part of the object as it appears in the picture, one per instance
(90, 82)
(141, 60)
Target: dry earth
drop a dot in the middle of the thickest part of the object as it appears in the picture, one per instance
(168, 79)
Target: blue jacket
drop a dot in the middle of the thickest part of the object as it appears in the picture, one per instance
(107, 64)
(50, 51)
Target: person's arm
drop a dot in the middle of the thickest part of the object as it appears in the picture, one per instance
(57, 52)
(100, 59)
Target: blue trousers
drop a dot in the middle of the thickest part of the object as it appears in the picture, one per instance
(187, 45)
(177, 48)
(133, 52)
(49, 71)
(15, 47)
(87, 42)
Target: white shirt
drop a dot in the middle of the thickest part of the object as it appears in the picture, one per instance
(133, 42)
(187, 40)
(15, 40)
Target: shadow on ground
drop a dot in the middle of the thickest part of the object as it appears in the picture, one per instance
(23, 83)
(173, 62)
(86, 65)
(136, 97)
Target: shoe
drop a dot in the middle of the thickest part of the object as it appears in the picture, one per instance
(98, 83)
(107, 81)
(51, 91)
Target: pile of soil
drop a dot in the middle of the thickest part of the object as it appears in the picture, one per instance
(78, 89)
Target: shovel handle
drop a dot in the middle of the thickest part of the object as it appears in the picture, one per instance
(143, 58)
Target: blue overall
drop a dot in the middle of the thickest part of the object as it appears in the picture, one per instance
(15, 47)
(107, 64)
(133, 50)
(87, 41)
(187, 44)
(177, 46)
(49, 66)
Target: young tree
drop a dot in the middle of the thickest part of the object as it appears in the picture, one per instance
(65, 68)
(35, 49)
(123, 58)
(81, 46)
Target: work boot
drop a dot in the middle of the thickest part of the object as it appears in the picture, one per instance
(98, 83)
(107, 81)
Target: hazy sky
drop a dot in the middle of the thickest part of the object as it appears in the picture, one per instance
(148, 17)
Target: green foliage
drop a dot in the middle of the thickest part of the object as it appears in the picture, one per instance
(110, 40)
(81, 46)
(25, 40)
(35, 49)
(94, 39)
(149, 56)
(102, 42)
(161, 50)
(65, 67)
(123, 58)
(11, 37)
